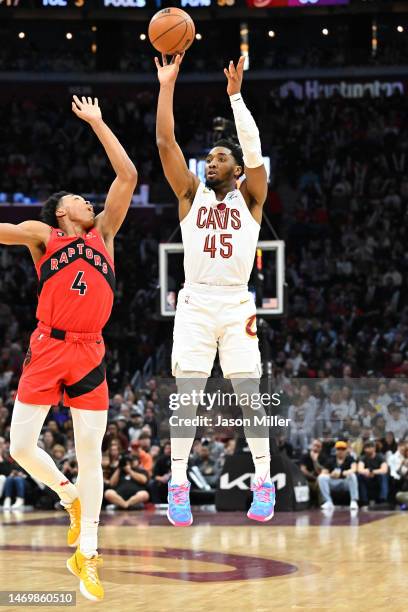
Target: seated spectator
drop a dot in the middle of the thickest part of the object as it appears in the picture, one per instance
(396, 422)
(402, 495)
(161, 475)
(389, 444)
(128, 485)
(59, 438)
(339, 474)
(372, 475)
(311, 465)
(144, 458)
(58, 454)
(14, 486)
(395, 462)
(113, 433)
(135, 427)
(208, 468)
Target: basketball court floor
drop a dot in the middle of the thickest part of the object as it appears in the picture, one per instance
(223, 562)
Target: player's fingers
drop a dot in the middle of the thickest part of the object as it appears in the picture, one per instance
(77, 101)
(231, 68)
(96, 102)
(181, 57)
(75, 108)
(83, 100)
(89, 100)
(227, 74)
(156, 61)
(164, 59)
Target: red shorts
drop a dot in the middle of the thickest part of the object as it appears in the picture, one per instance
(64, 363)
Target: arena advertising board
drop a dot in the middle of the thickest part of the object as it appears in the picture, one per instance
(286, 3)
(347, 88)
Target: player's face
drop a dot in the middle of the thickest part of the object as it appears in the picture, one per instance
(77, 210)
(220, 167)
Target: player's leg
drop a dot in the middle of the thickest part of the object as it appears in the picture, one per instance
(26, 424)
(241, 362)
(246, 386)
(89, 429)
(190, 385)
(194, 350)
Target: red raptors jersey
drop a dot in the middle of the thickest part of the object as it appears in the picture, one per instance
(76, 282)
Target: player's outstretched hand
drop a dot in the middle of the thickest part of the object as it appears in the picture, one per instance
(87, 109)
(167, 73)
(234, 75)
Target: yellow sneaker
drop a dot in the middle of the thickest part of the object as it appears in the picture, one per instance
(74, 511)
(87, 571)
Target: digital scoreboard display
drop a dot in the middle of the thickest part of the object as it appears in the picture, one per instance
(286, 3)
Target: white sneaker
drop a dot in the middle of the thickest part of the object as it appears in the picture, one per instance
(353, 505)
(18, 504)
(7, 503)
(327, 506)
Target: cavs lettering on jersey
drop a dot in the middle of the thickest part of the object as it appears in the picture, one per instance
(219, 239)
(76, 282)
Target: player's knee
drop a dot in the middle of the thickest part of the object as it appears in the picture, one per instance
(20, 450)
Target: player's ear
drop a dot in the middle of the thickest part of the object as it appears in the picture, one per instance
(238, 171)
(60, 212)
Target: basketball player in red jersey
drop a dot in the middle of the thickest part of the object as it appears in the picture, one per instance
(220, 222)
(72, 250)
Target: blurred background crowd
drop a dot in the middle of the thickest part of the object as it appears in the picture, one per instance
(338, 197)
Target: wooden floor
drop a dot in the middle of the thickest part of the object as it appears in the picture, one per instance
(224, 562)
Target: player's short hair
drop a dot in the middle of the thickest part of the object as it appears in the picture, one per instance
(50, 206)
(235, 149)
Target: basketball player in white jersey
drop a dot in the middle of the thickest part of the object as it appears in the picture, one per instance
(220, 225)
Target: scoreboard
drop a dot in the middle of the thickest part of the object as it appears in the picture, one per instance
(158, 4)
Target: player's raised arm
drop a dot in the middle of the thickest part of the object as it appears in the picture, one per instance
(121, 191)
(183, 182)
(255, 188)
(32, 234)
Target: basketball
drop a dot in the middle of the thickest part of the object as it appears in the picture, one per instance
(171, 31)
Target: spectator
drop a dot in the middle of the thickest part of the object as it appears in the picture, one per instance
(396, 422)
(339, 474)
(144, 458)
(207, 466)
(161, 475)
(372, 475)
(128, 485)
(311, 465)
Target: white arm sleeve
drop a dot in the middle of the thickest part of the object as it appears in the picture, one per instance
(248, 133)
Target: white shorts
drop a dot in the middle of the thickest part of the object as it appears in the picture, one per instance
(210, 318)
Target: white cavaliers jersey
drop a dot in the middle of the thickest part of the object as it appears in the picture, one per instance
(219, 239)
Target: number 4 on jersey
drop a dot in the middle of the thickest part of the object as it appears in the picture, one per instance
(79, 285)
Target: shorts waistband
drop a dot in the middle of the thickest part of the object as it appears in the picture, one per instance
(203, 288)
(68, 336)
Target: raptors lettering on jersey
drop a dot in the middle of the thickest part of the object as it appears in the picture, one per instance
(219, 239)
(76, 283)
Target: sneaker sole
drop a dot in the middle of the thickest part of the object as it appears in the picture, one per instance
(82, 587)
(87, 594)
(260, 519)
(187, 524)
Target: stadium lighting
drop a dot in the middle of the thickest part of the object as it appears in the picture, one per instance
(198, 36)
(68, 36)
(400, 29)
(94, 29)
(325, 32)
(142, 37)
(21, 35)
(271, 34)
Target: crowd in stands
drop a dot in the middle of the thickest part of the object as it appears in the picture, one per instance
(339, 198)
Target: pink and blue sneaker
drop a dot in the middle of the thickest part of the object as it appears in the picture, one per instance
(263, 503)
(179, 510)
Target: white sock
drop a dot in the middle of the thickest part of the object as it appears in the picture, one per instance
(89, 537)
(178, 471)
(67, 492)
(262, 469)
